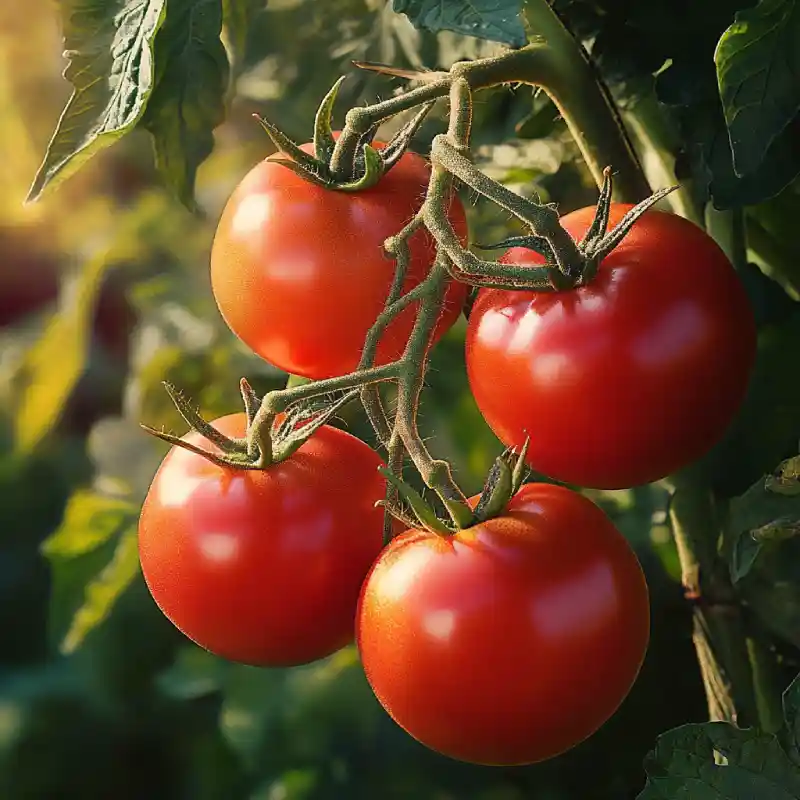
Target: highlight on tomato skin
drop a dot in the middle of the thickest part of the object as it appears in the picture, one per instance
(264, 567)
(628, 379)
(299, 272)
(510, 642)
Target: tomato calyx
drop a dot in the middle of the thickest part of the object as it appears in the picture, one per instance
(367, 165)
(596, 244)
(287, 433)
(504, 480)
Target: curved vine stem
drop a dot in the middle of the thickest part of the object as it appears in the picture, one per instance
(579, 96)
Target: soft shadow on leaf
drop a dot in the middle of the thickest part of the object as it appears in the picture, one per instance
(109, 43)
(188, 100)
(758, 63)
(495, 20)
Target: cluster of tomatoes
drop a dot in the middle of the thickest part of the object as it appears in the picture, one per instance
(510, 641)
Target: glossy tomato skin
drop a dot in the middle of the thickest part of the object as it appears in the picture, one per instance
(264, 567)
(299, 272)
(628, 379)
(512, 641)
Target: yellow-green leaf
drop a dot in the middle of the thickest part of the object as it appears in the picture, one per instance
(54, 364)
(89, 521)
(104, 590)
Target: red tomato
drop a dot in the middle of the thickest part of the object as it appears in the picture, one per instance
(625, 380)
(299, 272)
(509, 642)
(264, 566)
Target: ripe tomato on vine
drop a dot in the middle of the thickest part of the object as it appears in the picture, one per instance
(511, 641)
(299, 272)
(264, 567)
(626, 379)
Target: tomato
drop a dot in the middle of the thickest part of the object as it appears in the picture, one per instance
(627, 379)
(299, 272)
(511, 641)
(264, 567)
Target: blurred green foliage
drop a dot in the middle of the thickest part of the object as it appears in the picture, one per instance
(99, 695)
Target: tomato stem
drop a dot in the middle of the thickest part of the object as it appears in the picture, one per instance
(718, 627)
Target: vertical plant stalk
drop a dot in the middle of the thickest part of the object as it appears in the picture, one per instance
(585, 103)
(719, 633)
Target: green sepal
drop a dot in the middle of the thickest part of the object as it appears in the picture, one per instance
(304, 173)
(230, 460)
(297, 437)
(324, 143)
(251, 401)
(373, 172)
(461, 514)
(538, 244)
(520, 468)
(497, 492)
(286, 146)
(597, 230)
(198, 424)
(599, 249)
(399, 143)
(398, 512)
(424, 513)
(558, 280)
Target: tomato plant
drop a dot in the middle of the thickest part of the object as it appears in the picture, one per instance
(305, 301)
(624, 380)
(264, 567)
(608, 348)
(515, 639)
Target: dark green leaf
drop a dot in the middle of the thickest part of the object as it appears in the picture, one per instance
(682, 766)
(495, 20)
(708, 146)
(758, 518)
(791, 713)
(758, 64)
(188, 100)
(238, 17)
(110, 47)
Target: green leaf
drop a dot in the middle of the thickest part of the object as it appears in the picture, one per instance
(682, 766)
(757, 519)
(93, 558)
(111, 68)
(758, 64)
(103, 591)
(791, 713)
(188, 101)
(495, 20)
(57, 360)
(708, 146)
(90, 520)
(237, 19)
